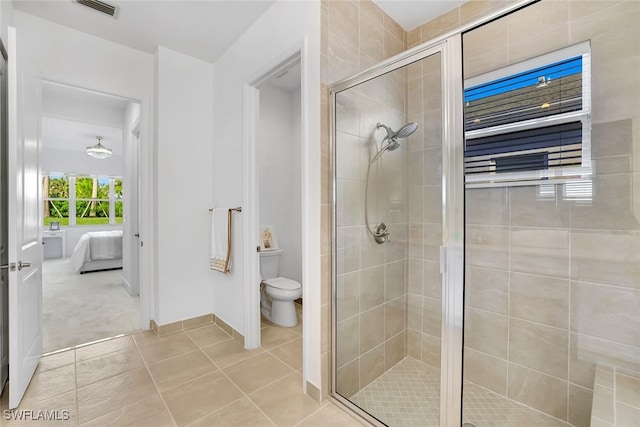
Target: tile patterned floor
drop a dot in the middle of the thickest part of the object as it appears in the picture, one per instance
(199, 377)
(408, 395)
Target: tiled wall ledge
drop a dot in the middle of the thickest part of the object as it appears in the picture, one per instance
(196, 322)
(616, 398)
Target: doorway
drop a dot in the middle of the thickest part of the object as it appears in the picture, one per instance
(90, 219)
(278, 148)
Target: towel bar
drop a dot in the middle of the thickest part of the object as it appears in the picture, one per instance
(238, 209)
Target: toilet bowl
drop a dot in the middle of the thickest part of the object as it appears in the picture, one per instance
(277, 293)
(278, 299)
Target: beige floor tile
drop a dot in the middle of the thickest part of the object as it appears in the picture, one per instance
(144, 337)
(298, 328)
(61, 408)
(162, 348)
(199, 398)
(257, 372)
(109, 365)
(229, 352)
(102, 348)
(150, 412)
(264, 322)
(98, 399)
(239, 414)
(290, 353)
(284, 402)
(180, 369)
(329, 416)
(208, 335)
(273, 336)
(50, 383)
(57, 360)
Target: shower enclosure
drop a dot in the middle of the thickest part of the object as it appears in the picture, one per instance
(486, 233)
(393, 234)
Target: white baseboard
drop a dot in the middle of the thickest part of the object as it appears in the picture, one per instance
(127, 286)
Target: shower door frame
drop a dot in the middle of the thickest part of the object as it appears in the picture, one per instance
(453, 224)
(451, 251)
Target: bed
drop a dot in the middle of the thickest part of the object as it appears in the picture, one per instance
(98, 250)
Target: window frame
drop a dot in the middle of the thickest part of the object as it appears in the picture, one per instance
(73, 199)
(557, 174)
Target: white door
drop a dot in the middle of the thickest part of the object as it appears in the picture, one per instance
(4, 254)
(25, 249)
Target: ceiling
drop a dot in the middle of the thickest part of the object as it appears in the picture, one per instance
(413, 13)
(70, 135)
(73, 117)
(288, 79)
(204, 29)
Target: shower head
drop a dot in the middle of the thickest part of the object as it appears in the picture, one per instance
(406, 130)
(392, 137)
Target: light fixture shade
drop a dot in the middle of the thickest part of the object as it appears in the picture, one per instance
(99, 151)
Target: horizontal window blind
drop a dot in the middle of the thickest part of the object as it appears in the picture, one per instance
(559, 145)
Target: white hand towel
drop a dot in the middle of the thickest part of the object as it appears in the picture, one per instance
(221, 240)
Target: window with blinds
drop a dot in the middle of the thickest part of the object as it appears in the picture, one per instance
(530, 121)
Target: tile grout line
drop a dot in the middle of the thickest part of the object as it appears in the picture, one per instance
(75, 369)
(208, 373)
(320, 408)
(245, 395)
(154, 382)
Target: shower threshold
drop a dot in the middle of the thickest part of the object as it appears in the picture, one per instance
(408, 395)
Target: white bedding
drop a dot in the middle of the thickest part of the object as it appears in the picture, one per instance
(96, 246)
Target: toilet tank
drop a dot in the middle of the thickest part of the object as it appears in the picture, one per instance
(269, 262)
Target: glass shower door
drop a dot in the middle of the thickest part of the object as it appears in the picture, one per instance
(388, 239)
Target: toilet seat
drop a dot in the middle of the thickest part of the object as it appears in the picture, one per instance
(283, 283)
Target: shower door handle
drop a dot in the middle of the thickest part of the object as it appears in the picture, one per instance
(443, 260)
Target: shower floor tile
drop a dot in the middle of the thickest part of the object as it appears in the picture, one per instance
(408, 395)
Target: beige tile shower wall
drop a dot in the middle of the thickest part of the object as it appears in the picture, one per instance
(553, 283)
(425, 195)
(425, 210)
(371, 277)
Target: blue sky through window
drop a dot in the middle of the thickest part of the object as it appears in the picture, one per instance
(527, 78)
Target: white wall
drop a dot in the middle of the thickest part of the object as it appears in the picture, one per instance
(282, 30)
(279, 173)
(55, 160)
(184, 148)
(61, 54)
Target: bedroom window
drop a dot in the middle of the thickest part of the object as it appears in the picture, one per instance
(55, 187)
(92, 200)
(82, 199)
(530, 122)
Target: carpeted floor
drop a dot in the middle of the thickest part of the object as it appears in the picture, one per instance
(81, 308)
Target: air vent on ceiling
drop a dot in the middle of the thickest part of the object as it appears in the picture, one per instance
(99, 6)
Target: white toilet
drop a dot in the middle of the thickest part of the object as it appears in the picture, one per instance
(278, 293)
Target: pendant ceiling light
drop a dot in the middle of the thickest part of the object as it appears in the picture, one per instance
(99, 151)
